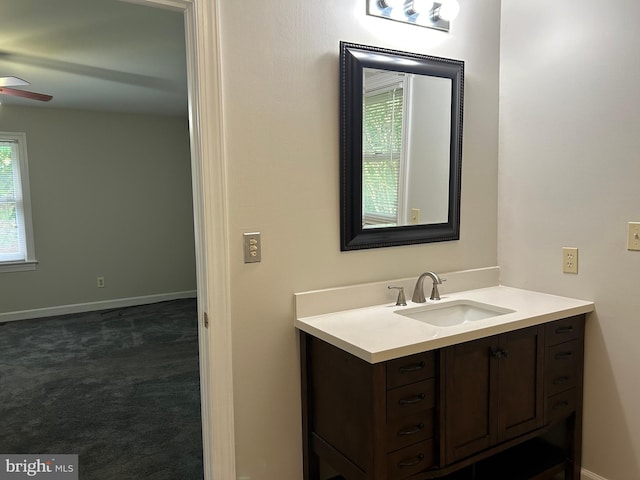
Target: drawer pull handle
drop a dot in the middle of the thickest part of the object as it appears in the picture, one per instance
(559, 405)
(412, 400)
(411, 431)
(563, 355)
(411, 463)
(412, 368)
(560, 380)
(566, 329)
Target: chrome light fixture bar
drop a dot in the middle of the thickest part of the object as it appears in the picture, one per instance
(424, 13)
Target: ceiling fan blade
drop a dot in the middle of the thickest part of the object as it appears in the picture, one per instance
(12, 82)
(25, 94)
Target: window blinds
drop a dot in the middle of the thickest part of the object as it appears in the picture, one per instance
(12, 238)
(381, 154)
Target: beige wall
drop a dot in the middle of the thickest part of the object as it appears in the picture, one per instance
(570, 117)
(280, 90)
(111, 196)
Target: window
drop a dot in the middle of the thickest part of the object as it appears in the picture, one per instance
(16, 232)
(382, 149)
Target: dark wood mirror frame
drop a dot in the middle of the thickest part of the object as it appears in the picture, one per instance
(353, 59)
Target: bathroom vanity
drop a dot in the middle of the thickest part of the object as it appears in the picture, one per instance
(494, 398)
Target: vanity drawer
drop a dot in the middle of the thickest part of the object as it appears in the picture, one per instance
(410, 429)
(410, 460)
(564, 330)
(562, 367)
(413, 368)
(411, 399)
(561, 405)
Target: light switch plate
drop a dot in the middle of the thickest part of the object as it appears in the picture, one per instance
(633, 236)
(252, 247)
(569, 259)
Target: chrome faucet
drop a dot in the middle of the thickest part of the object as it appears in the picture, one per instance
(418, 292)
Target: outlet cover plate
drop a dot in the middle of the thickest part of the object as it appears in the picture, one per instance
(633, 236)
(569, 259)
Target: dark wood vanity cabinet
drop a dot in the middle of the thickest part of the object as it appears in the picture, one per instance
(504, 407)
(370, 421)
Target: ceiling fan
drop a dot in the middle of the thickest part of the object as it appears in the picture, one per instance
(7, 82)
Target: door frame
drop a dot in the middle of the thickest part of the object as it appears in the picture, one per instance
(210, 208)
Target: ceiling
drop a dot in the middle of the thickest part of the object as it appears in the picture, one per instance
(105, 55)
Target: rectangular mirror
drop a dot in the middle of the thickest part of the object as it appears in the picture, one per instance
(401, 147)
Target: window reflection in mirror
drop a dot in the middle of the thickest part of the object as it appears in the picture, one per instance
(405, 148)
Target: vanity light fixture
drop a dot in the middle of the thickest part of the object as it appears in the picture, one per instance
(424, 13)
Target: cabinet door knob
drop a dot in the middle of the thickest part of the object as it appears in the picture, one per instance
(499, 353)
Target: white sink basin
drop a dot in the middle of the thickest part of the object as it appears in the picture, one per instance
(448, 314)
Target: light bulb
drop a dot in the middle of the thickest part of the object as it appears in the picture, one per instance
(422, 6)
(448, 10)
(393, 4)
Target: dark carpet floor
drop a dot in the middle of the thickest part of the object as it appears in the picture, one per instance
(120, 388)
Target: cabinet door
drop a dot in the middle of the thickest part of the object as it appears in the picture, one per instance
(470, 402)
(520, 382)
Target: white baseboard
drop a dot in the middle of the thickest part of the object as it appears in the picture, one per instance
(92, 306)
(587, 475)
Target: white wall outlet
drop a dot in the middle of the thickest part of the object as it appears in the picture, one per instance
(100, 282)
(569, 259)
(633, 236)
(252, 247)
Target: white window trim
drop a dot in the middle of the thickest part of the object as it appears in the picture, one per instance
(30, 262)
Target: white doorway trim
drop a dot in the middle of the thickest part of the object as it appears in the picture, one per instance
(211, 226)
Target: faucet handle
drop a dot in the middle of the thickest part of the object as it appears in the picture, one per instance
(401, 301)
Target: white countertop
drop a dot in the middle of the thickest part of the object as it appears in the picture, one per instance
(376, 333)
